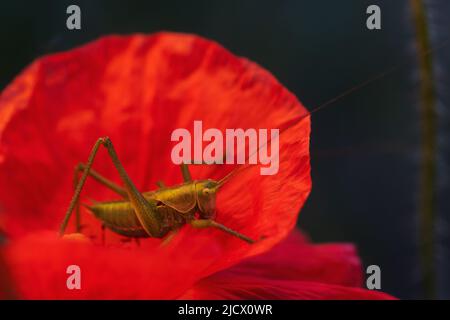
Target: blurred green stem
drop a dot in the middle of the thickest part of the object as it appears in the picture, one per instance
(427, 188)
(6, 287)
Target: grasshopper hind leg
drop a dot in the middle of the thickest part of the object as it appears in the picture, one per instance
(146, 212)
(103, 234)
(79, 168)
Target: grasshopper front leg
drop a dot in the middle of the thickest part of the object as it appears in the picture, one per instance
(206, 223)
(146, 212)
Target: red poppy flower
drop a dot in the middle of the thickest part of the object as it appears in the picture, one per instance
(137, 90)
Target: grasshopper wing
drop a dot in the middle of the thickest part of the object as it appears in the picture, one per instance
(181, 198)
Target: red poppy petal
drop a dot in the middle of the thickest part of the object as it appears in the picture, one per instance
(296, 259)
(137, 90)
(227, 286)
(38, 265)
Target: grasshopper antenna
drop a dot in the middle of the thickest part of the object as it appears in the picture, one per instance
(331, 101)
(374, 79)
(227, 177)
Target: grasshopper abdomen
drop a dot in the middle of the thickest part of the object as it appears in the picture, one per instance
(119, 216)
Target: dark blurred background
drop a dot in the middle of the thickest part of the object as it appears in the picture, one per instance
(366, 147)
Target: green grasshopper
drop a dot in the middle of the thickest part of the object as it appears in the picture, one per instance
(150, 214)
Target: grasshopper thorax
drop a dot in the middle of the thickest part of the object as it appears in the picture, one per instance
(206, 198)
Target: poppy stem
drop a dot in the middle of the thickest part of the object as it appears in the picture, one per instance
(7, 291)
(427, 188)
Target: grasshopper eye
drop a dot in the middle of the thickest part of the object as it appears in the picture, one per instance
(206, 191)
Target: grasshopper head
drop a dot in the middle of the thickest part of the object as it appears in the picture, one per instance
(206, 198)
